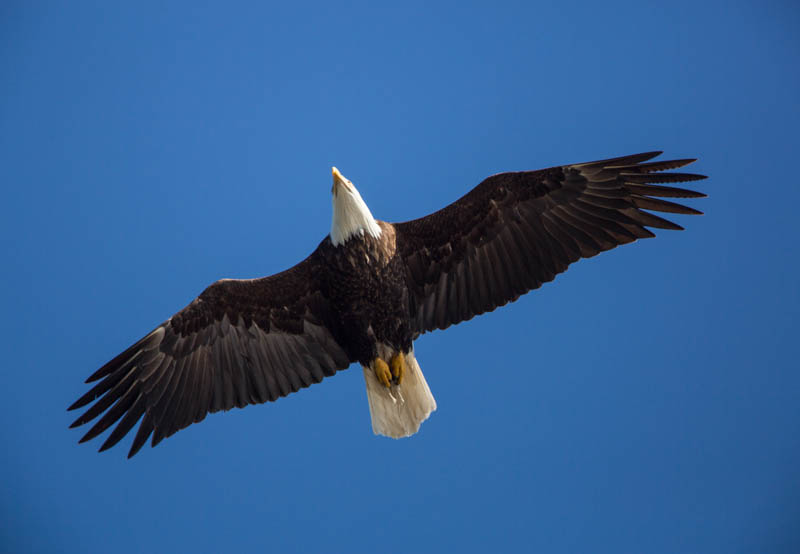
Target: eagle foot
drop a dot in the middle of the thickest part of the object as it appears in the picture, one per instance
(382, 372)
(387, 376)
(398, 366)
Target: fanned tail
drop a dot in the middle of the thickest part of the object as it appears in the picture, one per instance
(399, 411)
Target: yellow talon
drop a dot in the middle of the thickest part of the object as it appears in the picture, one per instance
(382, 372)
(398, 366)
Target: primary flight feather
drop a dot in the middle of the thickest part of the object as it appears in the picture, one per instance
(369, 290)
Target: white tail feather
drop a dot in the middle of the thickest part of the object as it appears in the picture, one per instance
(399, 411)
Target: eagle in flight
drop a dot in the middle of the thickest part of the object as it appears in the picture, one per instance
(369, 290)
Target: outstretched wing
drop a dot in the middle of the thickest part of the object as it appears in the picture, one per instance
(515, 231)
(238, 343)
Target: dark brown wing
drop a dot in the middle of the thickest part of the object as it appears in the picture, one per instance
(238, 343)
(515, 231)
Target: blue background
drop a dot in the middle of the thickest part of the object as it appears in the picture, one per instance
(648, 401)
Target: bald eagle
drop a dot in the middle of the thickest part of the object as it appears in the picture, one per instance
(369, 290)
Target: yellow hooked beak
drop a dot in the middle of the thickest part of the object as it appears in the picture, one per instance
(338, 180)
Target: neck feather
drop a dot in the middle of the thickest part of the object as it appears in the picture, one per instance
(351, 217)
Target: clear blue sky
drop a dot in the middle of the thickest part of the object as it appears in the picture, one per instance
(647, 401)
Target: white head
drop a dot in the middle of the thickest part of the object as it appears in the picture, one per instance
(351, 216)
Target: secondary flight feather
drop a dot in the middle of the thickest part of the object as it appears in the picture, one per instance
(369, 290)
